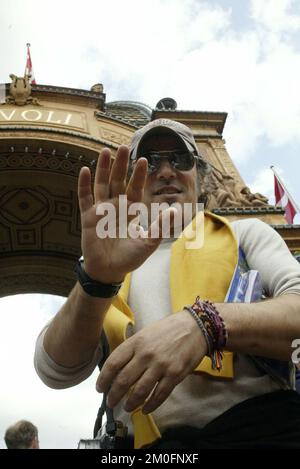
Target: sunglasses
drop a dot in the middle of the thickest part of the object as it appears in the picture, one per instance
(179, 159)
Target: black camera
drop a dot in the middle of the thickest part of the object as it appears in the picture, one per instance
(110, 436)
(113, 433)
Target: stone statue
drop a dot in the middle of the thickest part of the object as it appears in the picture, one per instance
(20, 91)
(256, 199)
(218, 195)
(225, 191)
(97, 88)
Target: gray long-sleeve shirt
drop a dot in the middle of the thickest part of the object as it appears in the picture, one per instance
(198, 398)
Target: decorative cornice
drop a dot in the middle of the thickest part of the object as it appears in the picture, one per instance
(27, 128)
(248, 211)
(68, 256)
(215, 120)
(179, 111)
(63, 90)
(71, 91)
(97, 100)
(286, 227)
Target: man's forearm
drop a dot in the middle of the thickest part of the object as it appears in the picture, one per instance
(74, 333)
(266, 328)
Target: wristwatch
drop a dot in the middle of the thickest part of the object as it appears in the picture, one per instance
(93, 287)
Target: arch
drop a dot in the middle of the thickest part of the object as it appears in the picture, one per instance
(39, 214)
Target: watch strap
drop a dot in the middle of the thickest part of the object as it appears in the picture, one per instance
(94, 287)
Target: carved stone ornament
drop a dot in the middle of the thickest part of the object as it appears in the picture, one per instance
(20, 91)
(225, 191)
(97, 88)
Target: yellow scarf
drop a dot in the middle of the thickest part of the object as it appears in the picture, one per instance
(205, 272)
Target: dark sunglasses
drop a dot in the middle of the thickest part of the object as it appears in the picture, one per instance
(179, 159)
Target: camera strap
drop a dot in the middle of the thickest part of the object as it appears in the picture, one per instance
(101, 412)
(103, 409)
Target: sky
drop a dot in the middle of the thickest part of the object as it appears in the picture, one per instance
(241, 57)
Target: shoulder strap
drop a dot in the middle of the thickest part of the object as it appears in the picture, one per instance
(102, 409)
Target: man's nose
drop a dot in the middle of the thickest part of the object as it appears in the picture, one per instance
(165, 170)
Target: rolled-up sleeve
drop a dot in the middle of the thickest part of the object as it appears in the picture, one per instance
(267, 252)
(60, 377)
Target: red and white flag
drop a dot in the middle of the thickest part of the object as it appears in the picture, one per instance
(28, 68)
(283, 199)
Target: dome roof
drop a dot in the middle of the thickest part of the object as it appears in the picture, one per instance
(131, 112)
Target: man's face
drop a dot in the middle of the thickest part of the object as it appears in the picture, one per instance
(167, 184)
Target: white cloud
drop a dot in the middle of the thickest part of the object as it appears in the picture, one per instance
(133, 41)
(275, 15)
(264, 184)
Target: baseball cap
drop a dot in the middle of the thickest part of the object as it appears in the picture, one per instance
(163, 126)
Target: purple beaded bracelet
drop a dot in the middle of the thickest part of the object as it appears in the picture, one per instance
(213, 328)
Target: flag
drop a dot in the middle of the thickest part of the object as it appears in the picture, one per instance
(283, 199)
(28, 68)
(2, 93)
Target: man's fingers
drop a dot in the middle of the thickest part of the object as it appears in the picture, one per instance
(135, 188)
(85, 197)
(101, 184)
(113, 365)
(119, 172)
(161, 392)
(127, 377)
(111, 177)
(142, 389)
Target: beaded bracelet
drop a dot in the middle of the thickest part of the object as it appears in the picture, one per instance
(213, 328)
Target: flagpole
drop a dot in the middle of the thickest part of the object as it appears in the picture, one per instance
(285, 189)
(28, 67)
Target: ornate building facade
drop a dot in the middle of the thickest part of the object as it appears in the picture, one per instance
(47, 134)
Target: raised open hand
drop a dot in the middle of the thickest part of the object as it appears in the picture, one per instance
(109, 259)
